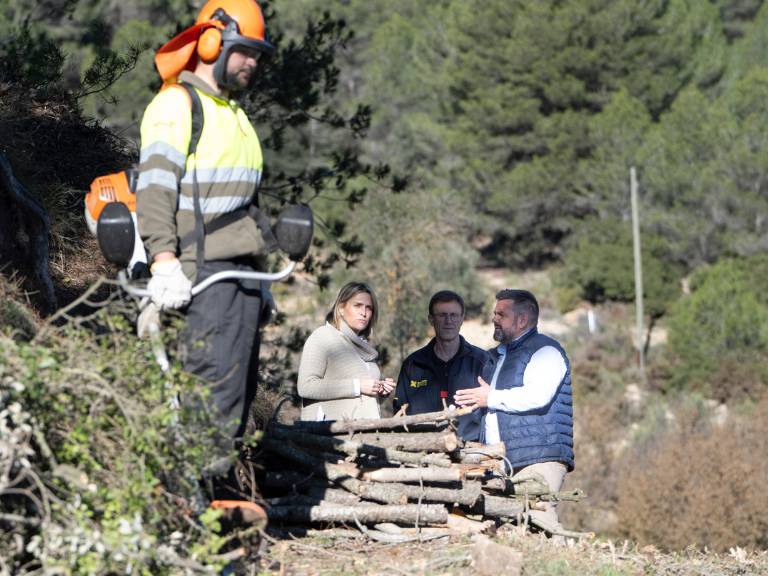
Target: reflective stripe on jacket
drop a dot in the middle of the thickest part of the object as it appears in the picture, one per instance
(228, 165)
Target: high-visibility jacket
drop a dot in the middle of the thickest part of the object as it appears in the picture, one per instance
(227, 164)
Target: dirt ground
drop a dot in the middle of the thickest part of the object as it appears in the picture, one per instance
(346, 553)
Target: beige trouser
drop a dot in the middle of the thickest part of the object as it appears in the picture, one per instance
(553, 474)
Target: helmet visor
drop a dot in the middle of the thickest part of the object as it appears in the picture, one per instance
(232, 39)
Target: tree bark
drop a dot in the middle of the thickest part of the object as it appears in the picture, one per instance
(467, 495)
(357, 448)
(339, 427)
(410, 441)
(378, 492)
(328, 493)
(500, 507)
(474, 452)
(365, 513)
(413, 475)
(334, 472)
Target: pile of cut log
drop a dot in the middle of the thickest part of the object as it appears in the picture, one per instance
(405, 470)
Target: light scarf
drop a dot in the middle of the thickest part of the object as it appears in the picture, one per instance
(363, 348)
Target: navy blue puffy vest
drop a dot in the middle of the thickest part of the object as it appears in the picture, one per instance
(541, 435)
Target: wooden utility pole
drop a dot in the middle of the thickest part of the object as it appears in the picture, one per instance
(638, 270)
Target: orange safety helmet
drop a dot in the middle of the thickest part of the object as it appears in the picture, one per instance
(221, 26)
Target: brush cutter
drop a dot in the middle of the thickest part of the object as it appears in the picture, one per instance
(110, 212)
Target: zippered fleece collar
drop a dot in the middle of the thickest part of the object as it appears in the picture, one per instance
(424, 355)
(200, 84)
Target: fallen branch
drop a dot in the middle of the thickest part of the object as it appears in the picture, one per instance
(340, 427)
(18, 519)
(353, 448)
(475, 453)
(384, 493)
(394, 537)
(367, 513)
(410, 442)
(570, 496)
(557, 530)
(334, 495)
(500, 507)
(413, 475)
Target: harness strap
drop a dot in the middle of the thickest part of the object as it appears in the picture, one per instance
(197, 130)
(201, 229)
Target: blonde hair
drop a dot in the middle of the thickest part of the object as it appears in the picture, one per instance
(347, 292)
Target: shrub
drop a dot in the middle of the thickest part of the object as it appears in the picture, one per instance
(98, 471)
(695, 483)
(600, 263)
(718, 336)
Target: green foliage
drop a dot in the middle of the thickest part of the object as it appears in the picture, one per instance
(705, 173)
(100, 460)
(719, 334)
(30, 59)
(737, 14)
(617, 135)
(534, 113)
(524, 99)
(600, 264)
(416, 251)
(749, 51)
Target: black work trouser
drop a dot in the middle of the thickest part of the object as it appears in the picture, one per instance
(220, 344)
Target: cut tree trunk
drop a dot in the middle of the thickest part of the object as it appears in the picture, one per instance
(413, 475)
(384, 493)
(500, 507)
(474, 453)
(365, 513)
(354, 448)
(421, 442)
(327, 493)
(340, 427)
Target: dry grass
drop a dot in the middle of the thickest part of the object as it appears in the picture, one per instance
(56, 153)
(322, 554)
(16, 313)
(699, 484)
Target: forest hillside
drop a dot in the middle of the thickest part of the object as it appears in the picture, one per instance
(441, 144)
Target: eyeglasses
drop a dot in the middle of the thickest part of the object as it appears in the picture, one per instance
(443, 316)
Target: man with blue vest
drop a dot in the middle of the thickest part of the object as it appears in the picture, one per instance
(525, 390)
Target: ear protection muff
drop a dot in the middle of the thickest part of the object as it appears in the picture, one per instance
(209, 45)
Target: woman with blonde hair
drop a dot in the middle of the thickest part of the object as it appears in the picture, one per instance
(338, 375)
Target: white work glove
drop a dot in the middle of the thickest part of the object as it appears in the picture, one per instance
(169, 288)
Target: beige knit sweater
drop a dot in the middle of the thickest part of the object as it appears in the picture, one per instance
(330, 363)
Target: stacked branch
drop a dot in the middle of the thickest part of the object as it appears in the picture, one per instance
(406, 470)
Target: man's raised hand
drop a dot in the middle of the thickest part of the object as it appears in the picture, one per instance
(473, 397)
